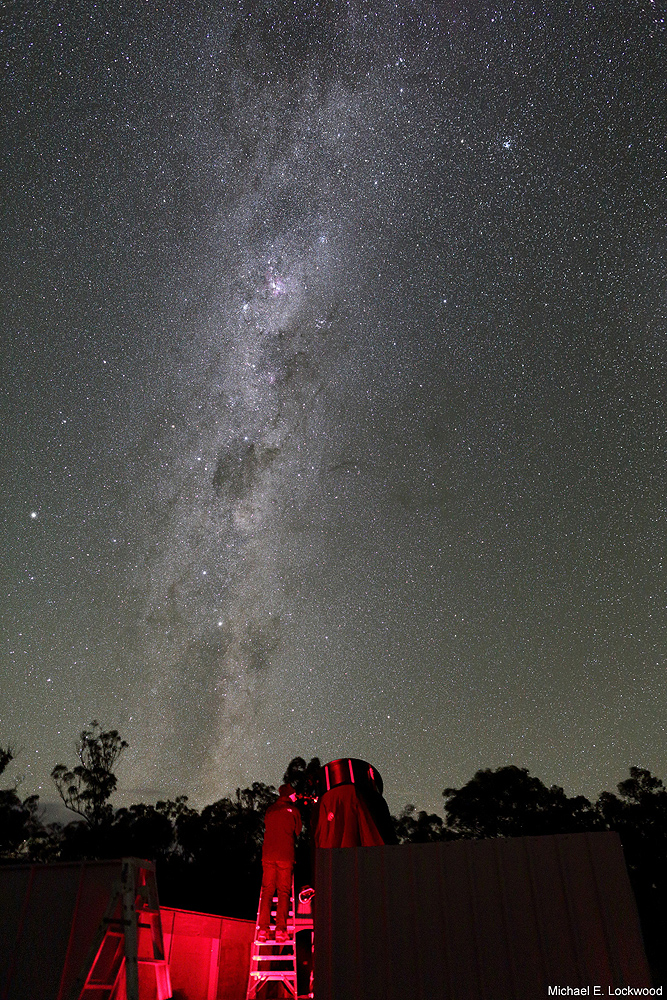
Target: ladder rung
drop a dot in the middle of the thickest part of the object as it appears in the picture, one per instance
(271, 943)
(276, 975)
(268, 958)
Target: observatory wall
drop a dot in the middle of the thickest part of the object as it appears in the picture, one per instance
(469, 920)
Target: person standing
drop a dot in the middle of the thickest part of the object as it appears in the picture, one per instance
(282, 826)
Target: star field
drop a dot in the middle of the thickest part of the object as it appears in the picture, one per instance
(334, 408)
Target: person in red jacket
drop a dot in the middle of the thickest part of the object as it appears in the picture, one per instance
(282, 826)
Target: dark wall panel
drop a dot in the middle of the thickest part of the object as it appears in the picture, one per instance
(468, 920)
(49, 916)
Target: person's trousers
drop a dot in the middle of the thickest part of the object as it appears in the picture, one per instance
(276, 880)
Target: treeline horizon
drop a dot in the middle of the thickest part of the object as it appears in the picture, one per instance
(209, 859)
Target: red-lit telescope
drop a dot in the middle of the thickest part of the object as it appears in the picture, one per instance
(351, 811)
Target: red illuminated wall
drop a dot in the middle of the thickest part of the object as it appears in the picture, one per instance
(209, 956)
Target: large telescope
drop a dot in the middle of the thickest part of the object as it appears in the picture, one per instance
(350, 771)
(351, 811)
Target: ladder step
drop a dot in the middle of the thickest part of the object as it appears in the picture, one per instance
(267, 956)
(263, 956)
(273, 958)
(260, 972)
(274, 975)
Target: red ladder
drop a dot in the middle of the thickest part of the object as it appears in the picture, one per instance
(129, 936)
(270, 961)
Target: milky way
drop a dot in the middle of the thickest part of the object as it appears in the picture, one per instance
(335, 410)
(246, 450)
(216, 599)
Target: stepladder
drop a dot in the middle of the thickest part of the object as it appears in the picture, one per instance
(127, 951)
(273, 964)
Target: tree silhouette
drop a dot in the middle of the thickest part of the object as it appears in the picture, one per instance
(6, 757)
(87, 788)
(301, 776)
(412, 827)
(509, 802)
(144, 831)
(639, 816)
(19, 822)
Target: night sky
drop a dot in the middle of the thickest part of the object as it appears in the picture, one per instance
(334, 394)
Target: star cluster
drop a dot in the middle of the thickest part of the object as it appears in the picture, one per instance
(334, 416)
